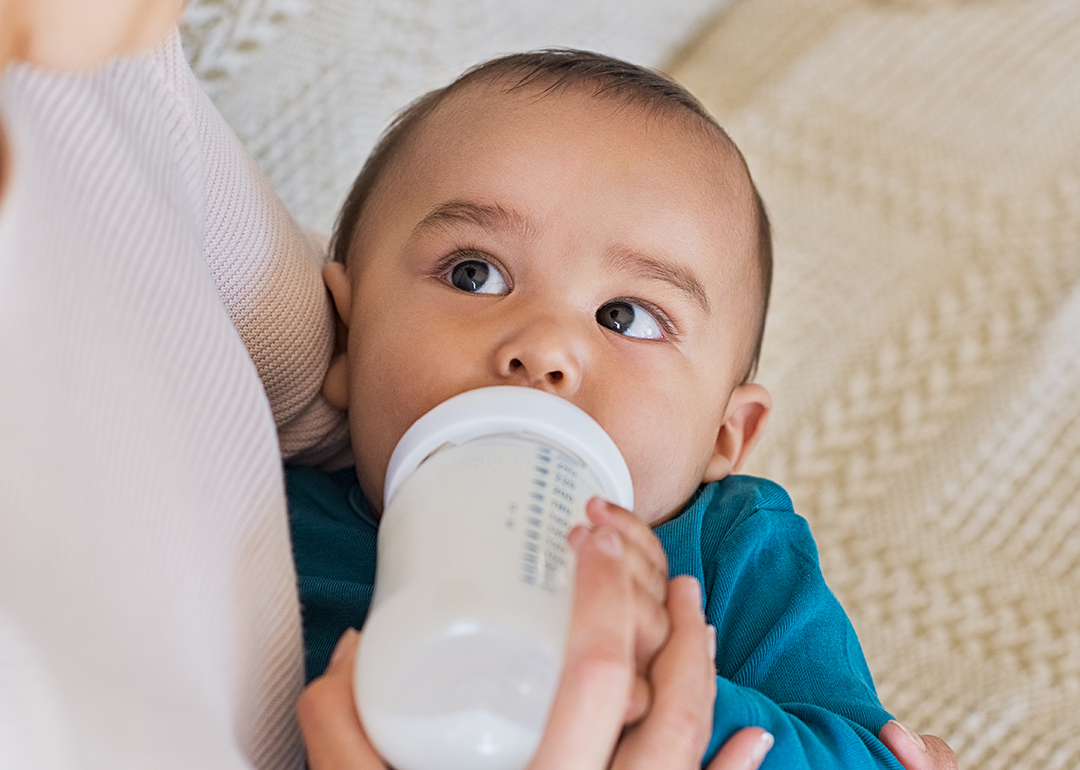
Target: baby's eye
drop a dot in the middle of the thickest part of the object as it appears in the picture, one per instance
(477, 277)
(629, 319)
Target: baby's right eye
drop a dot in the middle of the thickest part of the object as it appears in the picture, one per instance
(477, 277)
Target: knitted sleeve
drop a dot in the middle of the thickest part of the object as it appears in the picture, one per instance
(787, 658)
(148, 608)
(268, 273)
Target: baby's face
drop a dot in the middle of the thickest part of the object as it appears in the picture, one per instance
(566, 243)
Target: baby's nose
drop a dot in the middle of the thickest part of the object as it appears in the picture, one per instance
(545, 355)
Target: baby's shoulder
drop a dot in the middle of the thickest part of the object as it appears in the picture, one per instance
(746, 514)
(749, 493)
(731, 520)
(732, 502)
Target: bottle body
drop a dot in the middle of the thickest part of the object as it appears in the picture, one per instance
(464, 643)
(464, 646)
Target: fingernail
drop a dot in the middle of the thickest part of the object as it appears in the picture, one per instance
(339, 648)
(712, 642)
(595, 503)
(609, 543)
(913, 736)
(761, 748)
(578, 535)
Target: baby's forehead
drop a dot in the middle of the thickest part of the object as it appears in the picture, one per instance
(497, 95)
(476, 117)
(472, 127)
(657, 142)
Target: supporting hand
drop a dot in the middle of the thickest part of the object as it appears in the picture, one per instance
(589, 710)
(333, 735)
(647, 564)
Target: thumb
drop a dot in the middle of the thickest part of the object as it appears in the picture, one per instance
(331, 728)
(591, 700)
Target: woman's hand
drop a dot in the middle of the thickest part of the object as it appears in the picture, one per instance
(77, 34)
(646, 562)
(587, 717)
(598, 679)
(594, 691)
(333, 735)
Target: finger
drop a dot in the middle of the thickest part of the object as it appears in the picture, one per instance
(577, 536)
(603, 513)
(677, 728)
(944, 758)
(914, 751)
(643, 541)
(640, 701)
(653, 624)
(745, 750)
(587, 715)
(330, 726)
(652, 630)
(650, 580)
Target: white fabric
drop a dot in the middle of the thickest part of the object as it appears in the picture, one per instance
(269, 277)
(148, 611)
(309, 84)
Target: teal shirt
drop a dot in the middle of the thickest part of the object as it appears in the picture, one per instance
(787, 658)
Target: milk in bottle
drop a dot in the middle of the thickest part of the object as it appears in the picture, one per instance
(463, 646)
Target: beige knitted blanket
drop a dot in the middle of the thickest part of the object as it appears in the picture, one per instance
(921, 161)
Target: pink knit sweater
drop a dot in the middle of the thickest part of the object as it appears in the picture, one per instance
(148, 610)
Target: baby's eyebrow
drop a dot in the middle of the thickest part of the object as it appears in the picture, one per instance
(679, 276)
(496, 217)
(488, 217)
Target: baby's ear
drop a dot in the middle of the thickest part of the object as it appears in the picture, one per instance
(335, 387)
(744, 422)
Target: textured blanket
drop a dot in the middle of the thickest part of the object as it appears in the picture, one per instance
(921, 163)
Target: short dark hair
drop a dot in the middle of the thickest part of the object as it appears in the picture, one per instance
(553, 70)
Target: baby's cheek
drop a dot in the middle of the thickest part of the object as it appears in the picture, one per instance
(667, 476)
(653, 489)
(376, 422)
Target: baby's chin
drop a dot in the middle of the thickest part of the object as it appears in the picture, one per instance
(656, 519)
(656, 513)
(660, 495)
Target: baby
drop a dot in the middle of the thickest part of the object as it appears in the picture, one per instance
(564, 221)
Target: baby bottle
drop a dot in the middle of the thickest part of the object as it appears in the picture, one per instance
(463, 646)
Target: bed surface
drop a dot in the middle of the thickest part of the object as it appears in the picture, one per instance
(920, 162)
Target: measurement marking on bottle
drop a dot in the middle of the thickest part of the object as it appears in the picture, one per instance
(550, 513)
